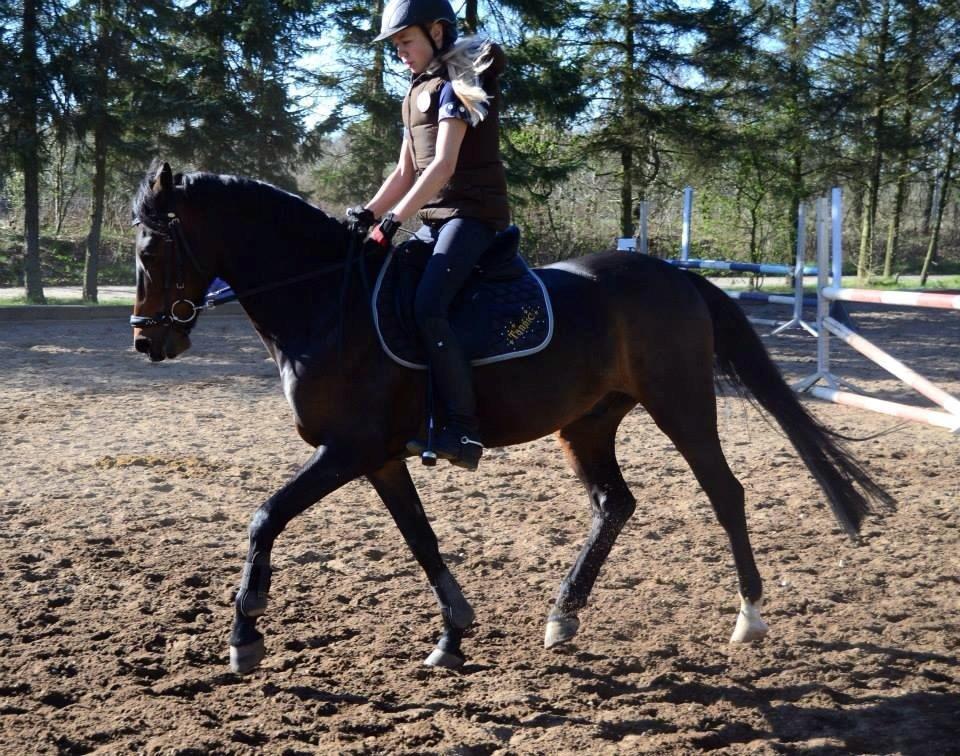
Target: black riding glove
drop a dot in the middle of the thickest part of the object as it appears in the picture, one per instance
(383, 234)
(360, 219)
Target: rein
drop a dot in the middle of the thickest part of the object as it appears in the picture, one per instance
(172, 232)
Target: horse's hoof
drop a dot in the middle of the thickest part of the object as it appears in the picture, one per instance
(747, 631)
(750, 625)
(561, 628)
(441, 658)
(244, 659)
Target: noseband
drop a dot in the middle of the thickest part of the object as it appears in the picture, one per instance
(172, 233)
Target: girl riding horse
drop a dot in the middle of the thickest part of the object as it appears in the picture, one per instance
(449, 174)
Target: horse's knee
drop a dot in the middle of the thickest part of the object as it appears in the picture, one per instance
(262, 530)
(616, 506)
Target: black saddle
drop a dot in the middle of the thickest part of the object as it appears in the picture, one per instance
(502, 312)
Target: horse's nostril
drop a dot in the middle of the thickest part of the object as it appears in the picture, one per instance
(142, 344)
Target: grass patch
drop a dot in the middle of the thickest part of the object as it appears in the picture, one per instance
(58, 301)
(62, 260)
(908, 282)
(902, 283)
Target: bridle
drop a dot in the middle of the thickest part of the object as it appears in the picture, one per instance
(172, 233)
(173, 279)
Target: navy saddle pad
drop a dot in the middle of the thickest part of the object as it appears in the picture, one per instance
(503, 311)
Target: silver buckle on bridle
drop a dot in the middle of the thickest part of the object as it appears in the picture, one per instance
(194, 311)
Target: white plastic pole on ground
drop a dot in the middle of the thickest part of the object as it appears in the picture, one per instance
(892, 365)
(685, 235)
(919, 414)
(644, 211)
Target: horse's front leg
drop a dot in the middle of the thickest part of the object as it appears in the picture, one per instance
(327, 470)
(394, 485)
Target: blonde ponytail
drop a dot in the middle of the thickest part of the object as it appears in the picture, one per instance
(465, 62)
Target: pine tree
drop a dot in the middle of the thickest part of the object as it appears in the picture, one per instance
(26, 104)
(543, 94)
(921, 61)
(645, 57)
(111, 66)
(366, 90)
(240, 63)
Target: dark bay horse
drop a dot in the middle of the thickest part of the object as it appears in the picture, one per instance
(629, 329)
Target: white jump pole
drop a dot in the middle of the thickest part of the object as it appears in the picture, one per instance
(901, 298)
(828, 325)
(893, 366)
(836, 243)
(823, 335)
(685, 234)
(905, 411)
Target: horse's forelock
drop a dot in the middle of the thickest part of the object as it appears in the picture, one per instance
(143, 205)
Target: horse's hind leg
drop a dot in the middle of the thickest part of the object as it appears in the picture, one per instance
(691, 423)
(589, 445)
(396, 489)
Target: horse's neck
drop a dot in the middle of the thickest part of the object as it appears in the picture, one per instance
(300, 319)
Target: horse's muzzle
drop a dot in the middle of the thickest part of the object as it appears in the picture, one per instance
(162, 347)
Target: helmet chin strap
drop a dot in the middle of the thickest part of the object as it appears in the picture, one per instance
(438, 50)
(426, 30)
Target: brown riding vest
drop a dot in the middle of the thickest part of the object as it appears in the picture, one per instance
(478, 187)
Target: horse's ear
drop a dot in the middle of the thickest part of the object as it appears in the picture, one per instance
(163, 181)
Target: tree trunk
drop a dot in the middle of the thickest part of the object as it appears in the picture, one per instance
(755, 253)
(906, 137)
(629, 117)
(626, 192)
(796, 108)
(471, 17)
(893, 233)
(29, 157)
(796, 197)
(91, 266)
(929, 204)
(944, 194)
(865, 258)
(66, 186)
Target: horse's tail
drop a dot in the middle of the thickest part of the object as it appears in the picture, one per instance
(743, 359)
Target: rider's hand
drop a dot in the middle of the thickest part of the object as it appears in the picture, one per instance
(360, 219)
(383, 233)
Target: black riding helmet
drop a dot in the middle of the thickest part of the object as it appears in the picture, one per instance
(400, 14)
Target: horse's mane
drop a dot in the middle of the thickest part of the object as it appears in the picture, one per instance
(275, 210)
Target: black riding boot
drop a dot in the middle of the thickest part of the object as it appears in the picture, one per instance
(459, 439)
